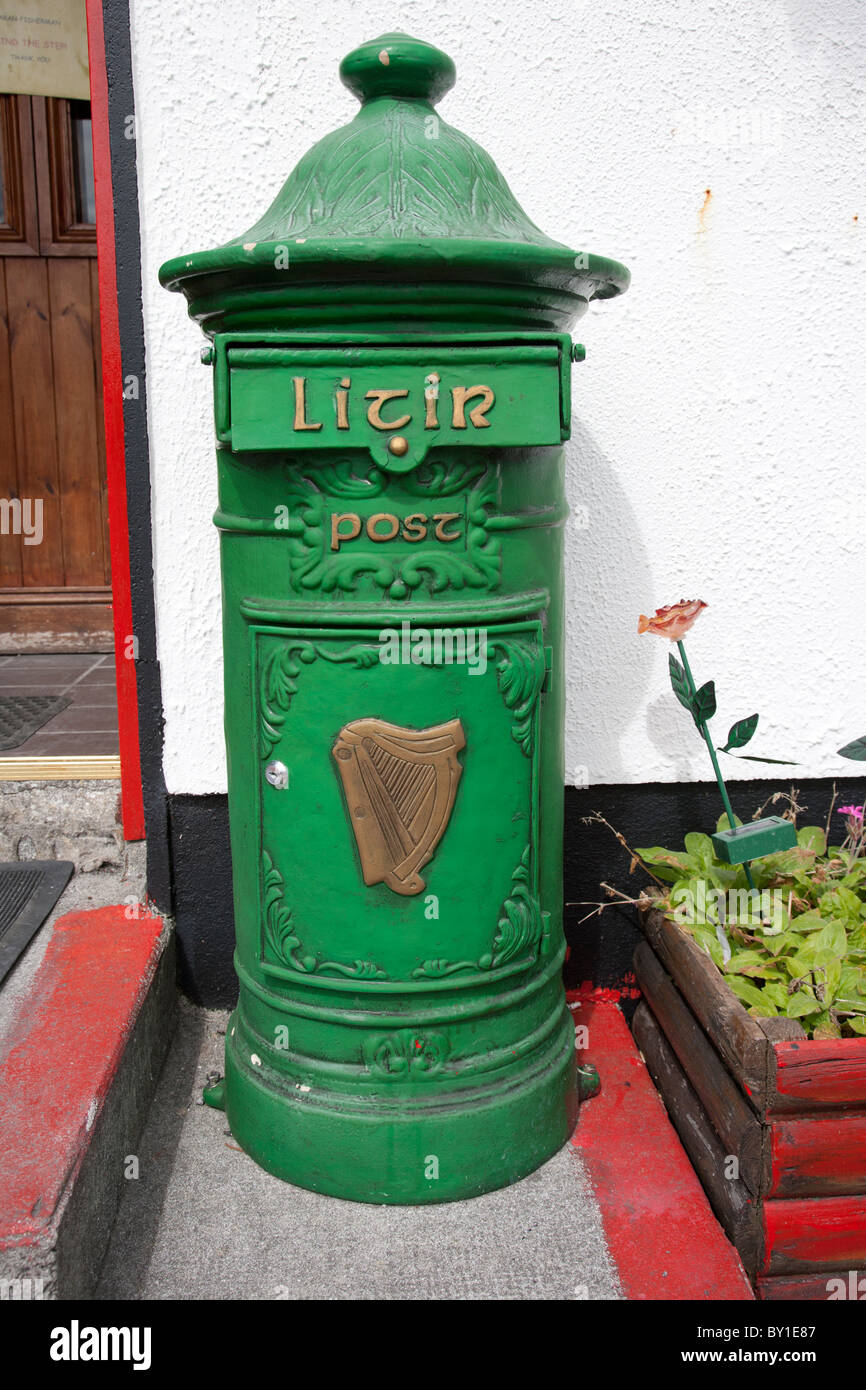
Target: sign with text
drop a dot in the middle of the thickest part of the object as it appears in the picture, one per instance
(43, 48)
(395, 402)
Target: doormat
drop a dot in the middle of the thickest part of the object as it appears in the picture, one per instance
(28, 891)
(22, 715)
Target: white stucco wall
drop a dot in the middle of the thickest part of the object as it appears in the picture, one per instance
(719, 418)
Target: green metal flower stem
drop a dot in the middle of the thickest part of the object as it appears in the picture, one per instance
(702, 725)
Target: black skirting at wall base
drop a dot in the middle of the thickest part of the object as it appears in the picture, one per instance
(201, 863)
(601, 946)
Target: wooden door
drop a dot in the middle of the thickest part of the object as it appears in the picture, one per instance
(54, 559)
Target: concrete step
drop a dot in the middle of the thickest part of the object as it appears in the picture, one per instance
(78, 820)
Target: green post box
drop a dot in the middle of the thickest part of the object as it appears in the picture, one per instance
(391, 379)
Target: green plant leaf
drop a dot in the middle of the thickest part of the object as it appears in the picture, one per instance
(724, 824)
(858, 1025)
(856, 751)
(832, 969)
(740, 733)
(700, 848)
(753, 758)
(750, 994)
(831, 939)
(803, 1003)
(709, 942)
(777, 994)
(679, 683)
(812, 837)
(665, 861)
(789, 861)
(807, 921)
(704, 703)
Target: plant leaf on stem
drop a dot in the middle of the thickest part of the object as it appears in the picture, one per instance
(679, 683)
(740, 733)
(704, 703)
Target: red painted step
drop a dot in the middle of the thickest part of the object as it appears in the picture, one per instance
(62, 1050)
(661, 1231)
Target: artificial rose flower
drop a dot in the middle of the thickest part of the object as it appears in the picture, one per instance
(674, 621)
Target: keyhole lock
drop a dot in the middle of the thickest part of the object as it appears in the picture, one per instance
(278, 775)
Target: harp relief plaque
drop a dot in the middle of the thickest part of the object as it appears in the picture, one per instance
(400, 786)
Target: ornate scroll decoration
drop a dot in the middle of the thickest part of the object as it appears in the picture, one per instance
(313, 566)
(407, 1055)
(286, 945)
(520, 672)
(400, 785)
(278, 681)
(520, 927)
(518, 931)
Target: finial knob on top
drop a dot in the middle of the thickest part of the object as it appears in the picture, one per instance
(396, 65)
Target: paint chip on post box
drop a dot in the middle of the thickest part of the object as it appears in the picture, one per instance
(398, 404)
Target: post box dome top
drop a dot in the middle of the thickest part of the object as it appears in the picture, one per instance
(395, 222)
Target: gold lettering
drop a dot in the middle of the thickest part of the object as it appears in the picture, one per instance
(415, 526)
(337, 537)
(431, 398)
(379, 398)
(442, 519)
(342, 398)
(460, 395)
(373, 521)
(300, 385)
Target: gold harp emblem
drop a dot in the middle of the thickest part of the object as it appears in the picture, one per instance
(400, 786)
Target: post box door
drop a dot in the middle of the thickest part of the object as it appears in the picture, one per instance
(398, 801)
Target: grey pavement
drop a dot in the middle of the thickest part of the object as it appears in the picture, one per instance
(203, 1221)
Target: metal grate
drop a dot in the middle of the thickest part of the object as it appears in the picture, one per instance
(22, 715)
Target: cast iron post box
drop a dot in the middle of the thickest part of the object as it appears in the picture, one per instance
(391, 378)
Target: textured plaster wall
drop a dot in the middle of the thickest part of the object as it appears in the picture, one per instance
(717, 149)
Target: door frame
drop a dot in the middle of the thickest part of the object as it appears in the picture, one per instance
(125, 637)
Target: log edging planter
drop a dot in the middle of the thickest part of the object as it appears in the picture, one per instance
(789, 1110)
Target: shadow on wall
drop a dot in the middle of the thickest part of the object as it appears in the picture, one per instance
(672, 734)
(607, 583)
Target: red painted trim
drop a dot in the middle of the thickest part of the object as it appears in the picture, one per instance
(808, 1234)
(66, 1041)
(818, 1073)
(112, 393)
(612, 995)
(826, 1149)
(660, 1229)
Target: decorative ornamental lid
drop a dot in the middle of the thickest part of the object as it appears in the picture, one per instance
(396, 222)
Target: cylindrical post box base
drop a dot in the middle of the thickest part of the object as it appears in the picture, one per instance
(375, 1147)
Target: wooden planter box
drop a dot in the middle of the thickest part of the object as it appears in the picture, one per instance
(791, 1112)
